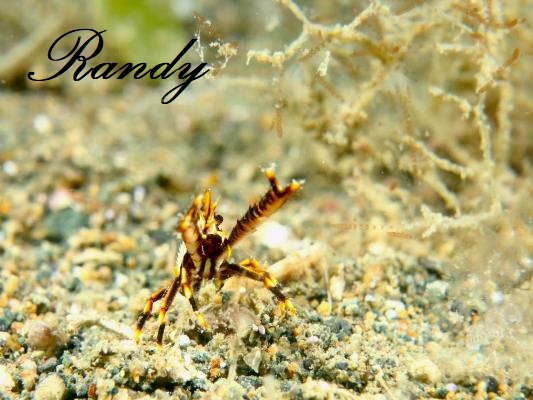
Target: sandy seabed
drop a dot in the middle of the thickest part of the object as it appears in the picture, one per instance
(407, 253)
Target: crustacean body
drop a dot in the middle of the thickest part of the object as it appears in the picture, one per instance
(205, 252)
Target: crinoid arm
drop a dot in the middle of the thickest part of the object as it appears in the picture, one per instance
(271, 201)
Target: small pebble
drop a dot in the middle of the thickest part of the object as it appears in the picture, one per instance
(376, 248)
(100, 257)
(228, 389)
(497, 298)
(341, 365)
(42, 124)
(48, 365)
(253, 359)
(341, 327)
(40, 336)
(437, 290)
(51, 388)
(260, 329)
(352, 307)
(184, 341)
(10, 168)
(424, 370)
(394, 305)
(104, 385)
(6, 381)
(370, 298)
(139, 193)
(391, 314)
(451, 387)
(336, 288)
(324, 309)
(124, 199)
(369, 318)
(62, 224)
(11, 285)
(60, 199)
(274, 235)
(313, 339)
(28, 374)
(109, 214)
(491, 384)
(526, 262)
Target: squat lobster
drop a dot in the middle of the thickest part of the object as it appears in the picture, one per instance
(206, 249)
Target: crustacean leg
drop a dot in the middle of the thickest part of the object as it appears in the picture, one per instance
(271, 201)
(250, 268)
(180, 284)
(187, 292)
(143, 316)
(167, 294)
(165, 305)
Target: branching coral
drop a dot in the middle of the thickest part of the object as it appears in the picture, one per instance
(422, 92)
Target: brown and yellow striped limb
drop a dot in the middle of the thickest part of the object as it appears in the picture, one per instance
(250, 268)
(200, 319)
(189, 230)
(271, 201)
(156, 296)
(187, 292)
(167, 294)
(165, 305)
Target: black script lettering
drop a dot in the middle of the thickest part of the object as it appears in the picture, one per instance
(166, 72)
(129, 67)
(108, 70)
(183, 75)
(105, 74)
(76, 54)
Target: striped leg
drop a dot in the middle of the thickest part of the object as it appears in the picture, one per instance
(253, 270)
(271, 201)
(187, 292)
(165, 305)
(156, 296)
